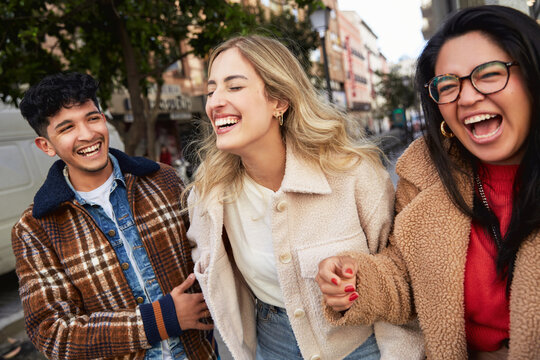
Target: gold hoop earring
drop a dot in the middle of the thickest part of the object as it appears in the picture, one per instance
(446, 133)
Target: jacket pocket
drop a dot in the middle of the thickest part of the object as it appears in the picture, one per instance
(310, 257)
(203, 267)
(308, 260)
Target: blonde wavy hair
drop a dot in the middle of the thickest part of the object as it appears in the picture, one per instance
(316, 130)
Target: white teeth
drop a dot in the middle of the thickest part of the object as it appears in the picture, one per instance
(486, 135)
(88, 150)
(478, 118)
(230, 120)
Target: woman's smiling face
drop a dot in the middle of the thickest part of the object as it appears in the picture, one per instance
(492, 127)
(238, 106)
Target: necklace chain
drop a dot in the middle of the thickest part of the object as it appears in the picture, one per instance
(486, 205)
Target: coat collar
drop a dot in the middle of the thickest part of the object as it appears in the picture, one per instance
(55, 190)
(416, 166)
(422, 173)
(302, 176)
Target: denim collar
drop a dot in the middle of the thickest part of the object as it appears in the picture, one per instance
(118, 179)
(56, 190)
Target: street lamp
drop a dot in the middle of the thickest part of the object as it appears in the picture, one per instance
(319, 22)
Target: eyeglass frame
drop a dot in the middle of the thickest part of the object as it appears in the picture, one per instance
(506, 64)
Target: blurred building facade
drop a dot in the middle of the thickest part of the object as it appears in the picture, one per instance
(354, 58)
(355, 63)
(434, 12)
(182, 101)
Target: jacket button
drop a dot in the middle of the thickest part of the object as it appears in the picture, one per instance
(299, 313)
(125, 266)
(140, 300)
(111, 233)
(285, 258)
(316, 357)
(281, 206)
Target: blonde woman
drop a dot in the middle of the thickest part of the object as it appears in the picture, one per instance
(280, 187)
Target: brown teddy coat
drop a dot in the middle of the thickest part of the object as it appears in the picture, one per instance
(426, 256)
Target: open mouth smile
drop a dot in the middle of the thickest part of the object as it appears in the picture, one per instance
(90, 150)
(483, 126)
(225, 123)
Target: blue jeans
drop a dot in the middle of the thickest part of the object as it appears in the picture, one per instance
(276, 341)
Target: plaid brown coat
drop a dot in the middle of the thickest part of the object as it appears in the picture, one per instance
(77, 302)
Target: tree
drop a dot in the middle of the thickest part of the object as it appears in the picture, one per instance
(296, 34)
(127, 43)
(396, 89)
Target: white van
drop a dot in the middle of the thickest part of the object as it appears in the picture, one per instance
(23, 168)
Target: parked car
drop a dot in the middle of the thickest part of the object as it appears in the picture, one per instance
(23, 168)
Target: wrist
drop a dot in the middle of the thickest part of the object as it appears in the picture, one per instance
(159, 319)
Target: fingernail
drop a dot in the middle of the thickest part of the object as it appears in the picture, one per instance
(334, 280)
(349, 288)
(353, 297)
(349, 271)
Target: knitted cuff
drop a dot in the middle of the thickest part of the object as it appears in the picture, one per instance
(159, 319)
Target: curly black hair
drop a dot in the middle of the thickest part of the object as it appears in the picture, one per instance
(54, 92)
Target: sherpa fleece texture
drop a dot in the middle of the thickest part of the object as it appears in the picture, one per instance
(428, 250)
(314, 215)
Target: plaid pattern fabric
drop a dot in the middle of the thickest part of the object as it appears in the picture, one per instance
(76, 300)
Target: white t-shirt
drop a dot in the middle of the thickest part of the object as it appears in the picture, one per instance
(248, 223)
(100, 196)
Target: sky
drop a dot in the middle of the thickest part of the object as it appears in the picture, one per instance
(397, 23)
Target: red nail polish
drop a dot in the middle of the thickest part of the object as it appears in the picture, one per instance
(349, 288)
(348, 271)
(334, 280)
(353, 297)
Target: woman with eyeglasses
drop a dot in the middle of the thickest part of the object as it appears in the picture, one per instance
(466, 236)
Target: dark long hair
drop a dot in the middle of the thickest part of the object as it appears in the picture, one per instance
(519, 36)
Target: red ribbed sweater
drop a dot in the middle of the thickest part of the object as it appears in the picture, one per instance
(487, 314)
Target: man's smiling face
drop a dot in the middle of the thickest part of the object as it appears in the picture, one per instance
(79, 136)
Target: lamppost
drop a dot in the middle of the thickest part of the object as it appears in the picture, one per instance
(319, 22)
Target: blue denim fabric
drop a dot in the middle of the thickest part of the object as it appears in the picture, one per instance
(124, 218)
(275, 337)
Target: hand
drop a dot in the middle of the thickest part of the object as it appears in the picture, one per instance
(337, 281)
(190, 308)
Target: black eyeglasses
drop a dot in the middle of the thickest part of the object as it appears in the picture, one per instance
(487, 78)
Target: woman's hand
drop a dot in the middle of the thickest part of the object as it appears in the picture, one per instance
(337, 280)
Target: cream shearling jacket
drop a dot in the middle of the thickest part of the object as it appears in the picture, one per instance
(314, 216)
(428, 250)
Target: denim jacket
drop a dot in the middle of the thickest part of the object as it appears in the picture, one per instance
(148, 290)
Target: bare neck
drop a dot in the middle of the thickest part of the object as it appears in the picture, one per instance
(267, 167)
(87, 181)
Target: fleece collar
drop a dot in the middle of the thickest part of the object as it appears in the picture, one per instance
(55, 190)
(416, 166)
(302, 176)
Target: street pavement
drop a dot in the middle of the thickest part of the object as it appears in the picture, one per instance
(14, 343)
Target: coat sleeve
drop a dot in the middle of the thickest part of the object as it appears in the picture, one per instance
(56, 320)
(194, 216)
(383, 283)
